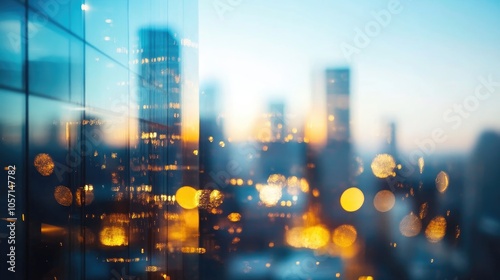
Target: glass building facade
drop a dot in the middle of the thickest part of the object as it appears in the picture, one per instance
(99, 133)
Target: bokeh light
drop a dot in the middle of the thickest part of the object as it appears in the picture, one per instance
(234, 217)
(186, 197)
(384, 200)
(202, 199)
(312, 237)
(352, 199)
(442, 181)
(436, 229)
(216, 198)
(44, 164)
(277, 179)
(410, 225)
(304, 185)
(63, 195)
(423, 210)
(293, 237)
(270, 195)
(89, 195)
(383, 166)
(359, 166)
(207, 199)
(293, 185)
(344, 235)
(113, 236)
(315, 237)
(421, 164)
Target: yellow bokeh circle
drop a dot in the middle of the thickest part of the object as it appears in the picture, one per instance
(352, 199)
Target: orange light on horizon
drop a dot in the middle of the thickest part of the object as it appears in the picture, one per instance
(315, 130)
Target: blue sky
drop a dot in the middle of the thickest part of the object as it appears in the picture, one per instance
(426, 59)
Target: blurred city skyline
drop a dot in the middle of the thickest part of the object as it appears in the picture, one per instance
(419, 60)
(231, 139)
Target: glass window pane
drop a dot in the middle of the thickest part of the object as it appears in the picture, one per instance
(55, 162)
(106, 27)
(12, 40)
(55, 62)
(67, 13)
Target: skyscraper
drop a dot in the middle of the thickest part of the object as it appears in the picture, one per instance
(160, 107)
(337, 100)
(277, 118)
(331, 166)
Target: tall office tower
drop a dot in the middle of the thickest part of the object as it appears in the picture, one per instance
(337, 99)
(392, 147)
(277, 118)
(160, 108)
(211, 131)
(481, 210)
(330, 167)
(213, 161)
(159, 150)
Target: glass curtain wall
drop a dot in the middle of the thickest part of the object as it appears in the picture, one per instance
(99, 117)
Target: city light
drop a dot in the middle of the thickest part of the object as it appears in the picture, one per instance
(344, 235)
(352, 199)
(383, 166)
(63, 195)
(442, 181)
(436, 229)
(44, 164)
(186, 197)
(113, 236)
(384, 201)
(270, 195)
(410, 225)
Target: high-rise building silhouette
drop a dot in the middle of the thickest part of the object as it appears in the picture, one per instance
(337, 100)
(160, 97)
(277, 119)
(330, 167)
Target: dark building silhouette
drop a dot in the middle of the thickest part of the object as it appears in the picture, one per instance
(481, 210)
(337, 102)
(330, 167)
(277, 119)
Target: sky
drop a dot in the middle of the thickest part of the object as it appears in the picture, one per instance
(419, 62)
